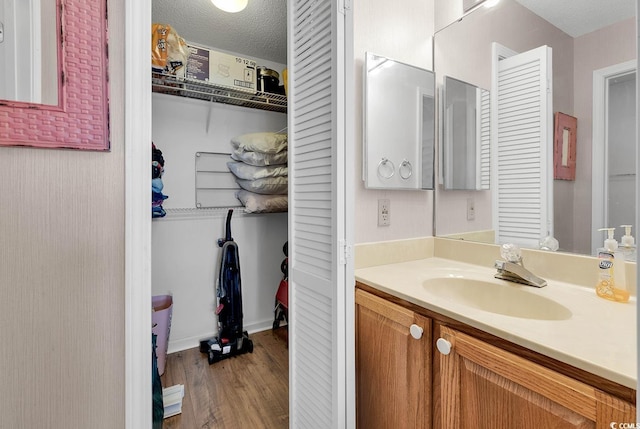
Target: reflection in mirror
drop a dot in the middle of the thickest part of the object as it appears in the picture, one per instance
(73, 107)
(578, 52)
(399, 125)
(521, 133)
(29, 51)
(465, 135)
(614, 165)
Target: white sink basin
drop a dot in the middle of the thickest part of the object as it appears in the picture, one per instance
(501, 298)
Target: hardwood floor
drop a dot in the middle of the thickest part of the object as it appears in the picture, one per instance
(246, 391)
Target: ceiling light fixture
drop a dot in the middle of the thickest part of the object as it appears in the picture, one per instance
(231, 6)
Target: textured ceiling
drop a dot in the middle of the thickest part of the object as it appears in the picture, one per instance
(259, 31)
(578, 17)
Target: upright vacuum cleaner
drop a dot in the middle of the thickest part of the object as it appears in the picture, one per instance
(231, 339)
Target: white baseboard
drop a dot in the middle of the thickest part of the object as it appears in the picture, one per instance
(180, 344)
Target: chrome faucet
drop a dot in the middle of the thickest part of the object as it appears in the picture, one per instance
(513, 270)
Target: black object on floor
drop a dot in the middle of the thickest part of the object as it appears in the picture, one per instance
(231, 339)
(158, 404)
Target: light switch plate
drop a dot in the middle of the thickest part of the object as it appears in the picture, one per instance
(471, 209)
(384, 212)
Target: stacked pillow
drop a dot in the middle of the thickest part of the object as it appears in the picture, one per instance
(260, 167)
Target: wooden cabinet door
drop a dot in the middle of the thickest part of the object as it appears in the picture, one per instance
(393, 369)
(481, 386)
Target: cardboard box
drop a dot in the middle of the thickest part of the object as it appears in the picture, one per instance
(221, 69)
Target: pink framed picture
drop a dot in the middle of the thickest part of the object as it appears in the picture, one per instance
(67, 109)
(564, 146)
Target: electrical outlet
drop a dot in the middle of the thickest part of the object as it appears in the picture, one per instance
(384, 212)
(471, 209)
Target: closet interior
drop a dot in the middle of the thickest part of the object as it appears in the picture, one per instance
(198, 125)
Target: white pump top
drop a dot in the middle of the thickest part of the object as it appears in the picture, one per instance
(627, 239)
(610, 243)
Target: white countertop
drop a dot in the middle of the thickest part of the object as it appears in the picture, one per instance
(598, 337)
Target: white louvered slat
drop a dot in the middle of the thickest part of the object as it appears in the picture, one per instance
(521, 139)
(313, 370)
(484, 152)
(316, 328)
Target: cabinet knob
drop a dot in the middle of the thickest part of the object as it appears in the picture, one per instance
(443, 346)
(416, 331)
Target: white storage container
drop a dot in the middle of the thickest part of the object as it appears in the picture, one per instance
(221, 69)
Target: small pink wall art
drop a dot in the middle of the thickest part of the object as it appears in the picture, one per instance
(564, 146)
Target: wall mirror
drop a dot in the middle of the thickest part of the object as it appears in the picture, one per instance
(28, 52)
(580, 53)
(53, 74)
(399, 125)
(465, 124)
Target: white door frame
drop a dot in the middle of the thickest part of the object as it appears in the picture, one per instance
(637, 61)
(349, 207)
(138, 380)
(599, 152)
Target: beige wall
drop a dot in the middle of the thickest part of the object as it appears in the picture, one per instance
(403, 34)
(448, 11)
(463, 51)
(62, 277)
(608, 46)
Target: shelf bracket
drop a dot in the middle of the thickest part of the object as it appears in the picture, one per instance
(208, 122)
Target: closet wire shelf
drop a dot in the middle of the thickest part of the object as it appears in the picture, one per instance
(191, 88)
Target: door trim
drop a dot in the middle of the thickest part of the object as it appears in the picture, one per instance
(138, 380)
(599, 151)
(138, 120)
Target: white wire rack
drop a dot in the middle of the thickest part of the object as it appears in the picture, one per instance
(191, 88)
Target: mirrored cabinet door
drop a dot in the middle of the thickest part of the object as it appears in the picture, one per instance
(399, 120)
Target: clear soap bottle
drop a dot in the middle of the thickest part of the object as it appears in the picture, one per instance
(606, 287)
(627, 244)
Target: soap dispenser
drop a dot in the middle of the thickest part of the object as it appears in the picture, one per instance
(606, 287)
(627, 244)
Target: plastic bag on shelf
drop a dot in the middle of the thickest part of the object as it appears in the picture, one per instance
(169, 52)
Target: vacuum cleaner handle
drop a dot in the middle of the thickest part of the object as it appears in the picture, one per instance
(228, 228)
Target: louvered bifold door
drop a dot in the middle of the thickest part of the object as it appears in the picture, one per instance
(316, 215)
(522, 131)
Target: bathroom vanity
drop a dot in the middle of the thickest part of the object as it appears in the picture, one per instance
(472, 353)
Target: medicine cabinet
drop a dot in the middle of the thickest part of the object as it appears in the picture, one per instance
(399, 125)
(466, 139)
